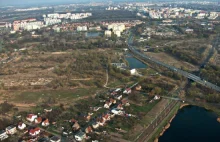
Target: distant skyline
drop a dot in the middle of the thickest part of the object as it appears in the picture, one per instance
(55, 2)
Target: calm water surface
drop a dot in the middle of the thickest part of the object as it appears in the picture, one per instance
(134, 63)
(193, 124)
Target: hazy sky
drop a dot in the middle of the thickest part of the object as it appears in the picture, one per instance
(37, 2)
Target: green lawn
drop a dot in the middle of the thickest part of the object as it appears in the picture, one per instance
(145, 108)
(60, 94)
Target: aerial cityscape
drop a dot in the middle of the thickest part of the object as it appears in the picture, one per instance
(109, 71)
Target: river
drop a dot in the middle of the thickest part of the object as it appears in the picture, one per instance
(193, 124)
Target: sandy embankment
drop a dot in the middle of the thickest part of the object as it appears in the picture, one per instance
(183, 105)
(218, 119)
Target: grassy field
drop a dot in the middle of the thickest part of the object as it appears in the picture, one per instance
(145, 108)
(31, 97)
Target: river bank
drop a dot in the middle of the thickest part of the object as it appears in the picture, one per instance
(168, 122)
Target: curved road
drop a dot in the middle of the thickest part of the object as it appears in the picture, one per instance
(183, 73)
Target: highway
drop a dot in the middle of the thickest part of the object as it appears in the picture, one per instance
(177, 70)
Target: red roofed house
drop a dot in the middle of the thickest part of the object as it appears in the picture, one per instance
(31, 117)
(45, 123)
(120, 107)
(38, 120)
(34, 132)
(106, 117)
(112, 100)
(88, 129)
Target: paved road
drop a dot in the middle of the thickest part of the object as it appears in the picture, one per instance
(183, 73)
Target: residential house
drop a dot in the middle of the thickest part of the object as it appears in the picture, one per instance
(21, 126)
(125, 102)
(95, 125)
(120, 107)
(101, 122)
(106, 117)
(11, 130)
(75, 126)
(45, 123)
(112, 115)
(88, 130)
(55, 139)
(80, 136)
(117, 112)
(3, 135)
(156, 97)
(107, 104)
(31, 117)
(87, 117)
(127, 91)
(38, 120)
(138, 87)
(118, 96)
(34, 132)
(113, 101)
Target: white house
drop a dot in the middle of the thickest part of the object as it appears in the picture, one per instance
(156, 97)
(95, 125)
(107, 104)
(45, 123)
(34, 132)
(133, 72)
(21, 126)
(55, 139)
(11, 130)
(31, 117)
(118, 97)
(108, 33)
(3, 135)
(117, 112)
(80, 136)
(127, 91)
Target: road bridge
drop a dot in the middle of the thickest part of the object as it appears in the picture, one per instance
(177, 70)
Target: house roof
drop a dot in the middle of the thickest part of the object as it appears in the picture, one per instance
(39, 119)
(30, 115)
(32, 131)
(46, 121)
(89, 129)
(10, 127)
(120, 105)
(73, 120)
(55, 138)
(80, 134)
(106, 116)
(112, 100)
(2, 131)
(20, 124)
